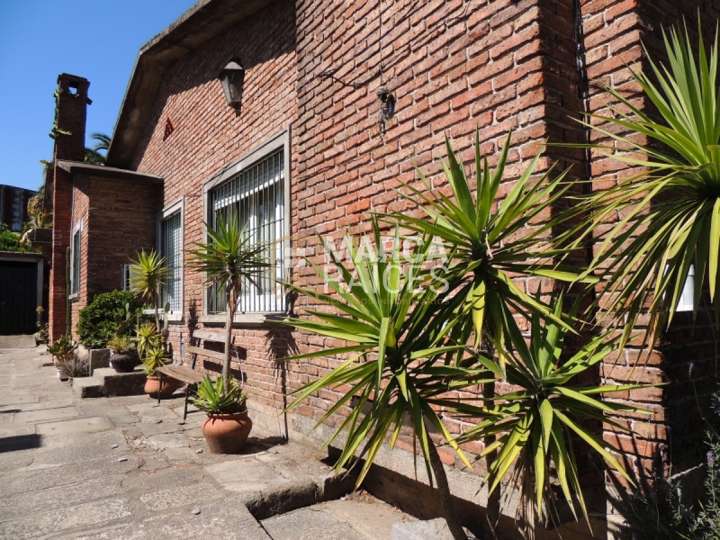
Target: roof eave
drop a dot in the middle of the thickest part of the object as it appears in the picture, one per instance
(193, 28)
(105, 171)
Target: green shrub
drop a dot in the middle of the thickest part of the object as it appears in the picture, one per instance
(9, 240)
(109, 314)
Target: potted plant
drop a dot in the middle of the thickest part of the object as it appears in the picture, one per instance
(154, 357)
(231, 258)
(147, 338)
(148, 274)
(123, 354)
(227, 425)
(63, 352)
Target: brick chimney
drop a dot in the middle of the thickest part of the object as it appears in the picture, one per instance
(70, 116)
(71, 101)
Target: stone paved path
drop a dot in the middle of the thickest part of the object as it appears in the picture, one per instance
(126, 468)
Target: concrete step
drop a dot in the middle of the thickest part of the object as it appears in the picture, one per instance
(22, 341)
(122, 384)
(87, 387)
(107, 382)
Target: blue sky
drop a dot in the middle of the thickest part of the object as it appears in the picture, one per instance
(39, 39)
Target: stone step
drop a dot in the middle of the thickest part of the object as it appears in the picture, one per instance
(108, 382)
(87, 387)
(122, 384)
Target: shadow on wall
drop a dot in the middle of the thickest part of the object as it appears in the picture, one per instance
(281, 344)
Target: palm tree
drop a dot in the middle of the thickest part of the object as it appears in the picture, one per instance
(490, 243)
(671, 209)
(536, 423)
(395, 362)
(98, 152)
(229, 259)
(147, 276)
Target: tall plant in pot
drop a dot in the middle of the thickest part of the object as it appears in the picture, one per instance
(147, 276)
(231, 259)
(228, 426)
(154, 356)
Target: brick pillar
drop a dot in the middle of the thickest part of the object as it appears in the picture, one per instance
(69, 133)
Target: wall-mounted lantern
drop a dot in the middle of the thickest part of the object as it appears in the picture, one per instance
(232, 78)
(387, 107)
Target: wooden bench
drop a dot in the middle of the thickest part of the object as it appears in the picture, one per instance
(187, 374)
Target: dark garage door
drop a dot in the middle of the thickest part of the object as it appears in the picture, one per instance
(18, 297)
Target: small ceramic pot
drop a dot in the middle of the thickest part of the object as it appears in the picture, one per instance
(124, 362)
(152, 386)
(226, 433)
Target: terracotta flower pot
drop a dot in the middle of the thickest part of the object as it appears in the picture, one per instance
(152, 386)
(124, 362)
(226, 433)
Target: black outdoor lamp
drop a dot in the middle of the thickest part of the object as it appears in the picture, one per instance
(387, 107)
(232, 77)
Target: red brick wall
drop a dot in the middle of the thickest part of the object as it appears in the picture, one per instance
(613, 31)
(80, 218)
(71, 109)
(208, 136)
(119, 216)
(453, 66)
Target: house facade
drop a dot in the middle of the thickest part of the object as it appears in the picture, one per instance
(308, 153)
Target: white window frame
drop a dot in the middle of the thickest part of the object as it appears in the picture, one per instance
(176, 207)
(73, 292)
(272, 144)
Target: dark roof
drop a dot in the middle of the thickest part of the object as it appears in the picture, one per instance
(109, 172)
(200, 23)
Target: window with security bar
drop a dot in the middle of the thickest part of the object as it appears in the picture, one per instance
(256, 196)
(170, 249)
(75, 263)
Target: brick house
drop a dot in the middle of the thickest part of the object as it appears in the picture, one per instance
(304, 154)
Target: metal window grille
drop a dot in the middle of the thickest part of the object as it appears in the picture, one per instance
(75, 264)
(256, 196)
(170, 234)
(125, 277)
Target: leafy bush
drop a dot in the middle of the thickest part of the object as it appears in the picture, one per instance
(9, 240)
(109, 314)
(62, 349)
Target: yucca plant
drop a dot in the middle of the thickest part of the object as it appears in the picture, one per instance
(147, 275)
(394, 360)
(230, 259)
(491, 242)
(671, 209)
(214, 398)
(146, 338)
(153, 358)
(534, 425)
